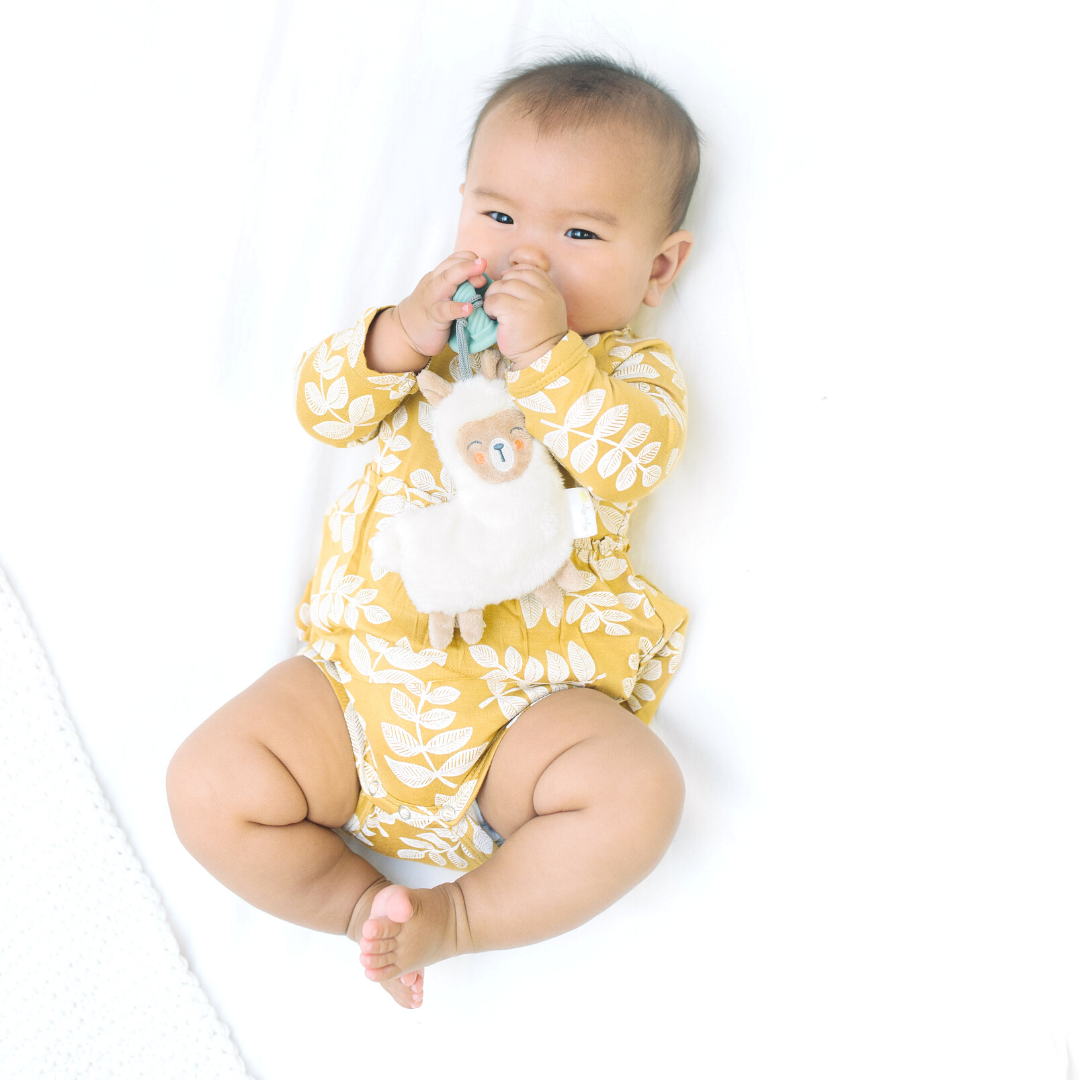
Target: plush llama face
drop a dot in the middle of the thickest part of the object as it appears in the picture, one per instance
(478, 429)
(497, 448)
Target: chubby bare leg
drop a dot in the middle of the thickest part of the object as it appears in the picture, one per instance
(588, 799)
(255, 792)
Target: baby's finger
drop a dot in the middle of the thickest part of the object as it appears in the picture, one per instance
(466, 267)
(446, 311)
(453, 260)
(515, 287)
(531, 274)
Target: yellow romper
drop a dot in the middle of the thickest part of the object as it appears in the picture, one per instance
(425, 723)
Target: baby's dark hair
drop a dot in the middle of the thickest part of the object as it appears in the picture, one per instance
(580, 89)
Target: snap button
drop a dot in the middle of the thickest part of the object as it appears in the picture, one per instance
(404, 812)
(446, 813)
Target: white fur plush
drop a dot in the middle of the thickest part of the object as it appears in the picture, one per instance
(493, 541)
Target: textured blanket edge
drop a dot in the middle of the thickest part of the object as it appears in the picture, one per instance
(85, 1035)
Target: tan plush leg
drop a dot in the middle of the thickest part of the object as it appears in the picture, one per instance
(472, 625)
(440, 629)
(549, 594)
(567, 577)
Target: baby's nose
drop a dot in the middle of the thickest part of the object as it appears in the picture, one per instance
(501, 454)
(530, 255)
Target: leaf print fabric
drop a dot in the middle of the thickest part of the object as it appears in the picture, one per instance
(612, 409)
(335, 383)
(425, 723)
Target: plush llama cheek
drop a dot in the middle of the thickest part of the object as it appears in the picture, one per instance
(497, 448)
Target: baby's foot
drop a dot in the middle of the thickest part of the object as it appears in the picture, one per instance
(407, 929)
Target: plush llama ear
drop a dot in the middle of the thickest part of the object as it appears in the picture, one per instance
(433, 387)
(493, 365)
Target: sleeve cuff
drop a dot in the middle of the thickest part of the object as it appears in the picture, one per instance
(567, 354)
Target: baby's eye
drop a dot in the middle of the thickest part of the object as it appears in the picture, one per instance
(500, 217)
(581, 234)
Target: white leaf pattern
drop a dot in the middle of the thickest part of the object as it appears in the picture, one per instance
(462, 761)
(611, 421)
(443, 695)
(411, 774)
(583, 455)
(538, 402)
(626, 478)
(334, 429)
(315, 400)
(484, 655)
(531, 609)
(401, 704)
(581, 662)
(558, 669)
(534, 670)
(400, 741)
(635, 371)
(584, 409)
(610, 462)
(558, 442)
(436, 719)
(449, 741)
(361, 409)
(338, 394)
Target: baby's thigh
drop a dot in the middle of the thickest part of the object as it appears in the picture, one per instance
(573, 749)
(276, 753)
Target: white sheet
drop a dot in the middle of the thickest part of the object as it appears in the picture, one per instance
(874, 523)
(92, 984)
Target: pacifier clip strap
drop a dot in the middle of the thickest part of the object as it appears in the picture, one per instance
(464, 356)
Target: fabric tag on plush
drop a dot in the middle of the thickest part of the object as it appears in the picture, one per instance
(582, 513)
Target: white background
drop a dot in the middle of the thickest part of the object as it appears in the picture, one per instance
(874, 525)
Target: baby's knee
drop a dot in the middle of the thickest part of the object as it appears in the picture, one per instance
(189, 790)
(642, 790)
(660, 788)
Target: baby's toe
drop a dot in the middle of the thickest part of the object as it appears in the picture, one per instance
(377, 946)
(393, 903)
(406, 996)
(378, 929)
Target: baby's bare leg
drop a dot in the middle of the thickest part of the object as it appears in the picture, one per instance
(255, 792)
(589, 800)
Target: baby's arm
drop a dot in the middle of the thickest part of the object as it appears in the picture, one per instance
(618, 434)
(348, 383)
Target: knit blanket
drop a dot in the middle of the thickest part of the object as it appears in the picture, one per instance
(92, 983)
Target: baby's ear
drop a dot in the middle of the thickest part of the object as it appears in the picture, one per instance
(433, 387)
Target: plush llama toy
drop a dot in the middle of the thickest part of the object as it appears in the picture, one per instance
(506, 532)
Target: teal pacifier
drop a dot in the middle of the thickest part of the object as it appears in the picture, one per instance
(478, 331)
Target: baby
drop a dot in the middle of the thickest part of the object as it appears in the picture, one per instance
(521, 759)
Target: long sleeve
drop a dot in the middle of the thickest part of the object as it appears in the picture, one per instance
(611, 408)
(339, 399)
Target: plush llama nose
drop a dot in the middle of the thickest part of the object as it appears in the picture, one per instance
(501, 454)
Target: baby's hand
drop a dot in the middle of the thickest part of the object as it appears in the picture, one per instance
(531, 313)
(427, 313)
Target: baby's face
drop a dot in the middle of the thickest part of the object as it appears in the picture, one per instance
(584, 206)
